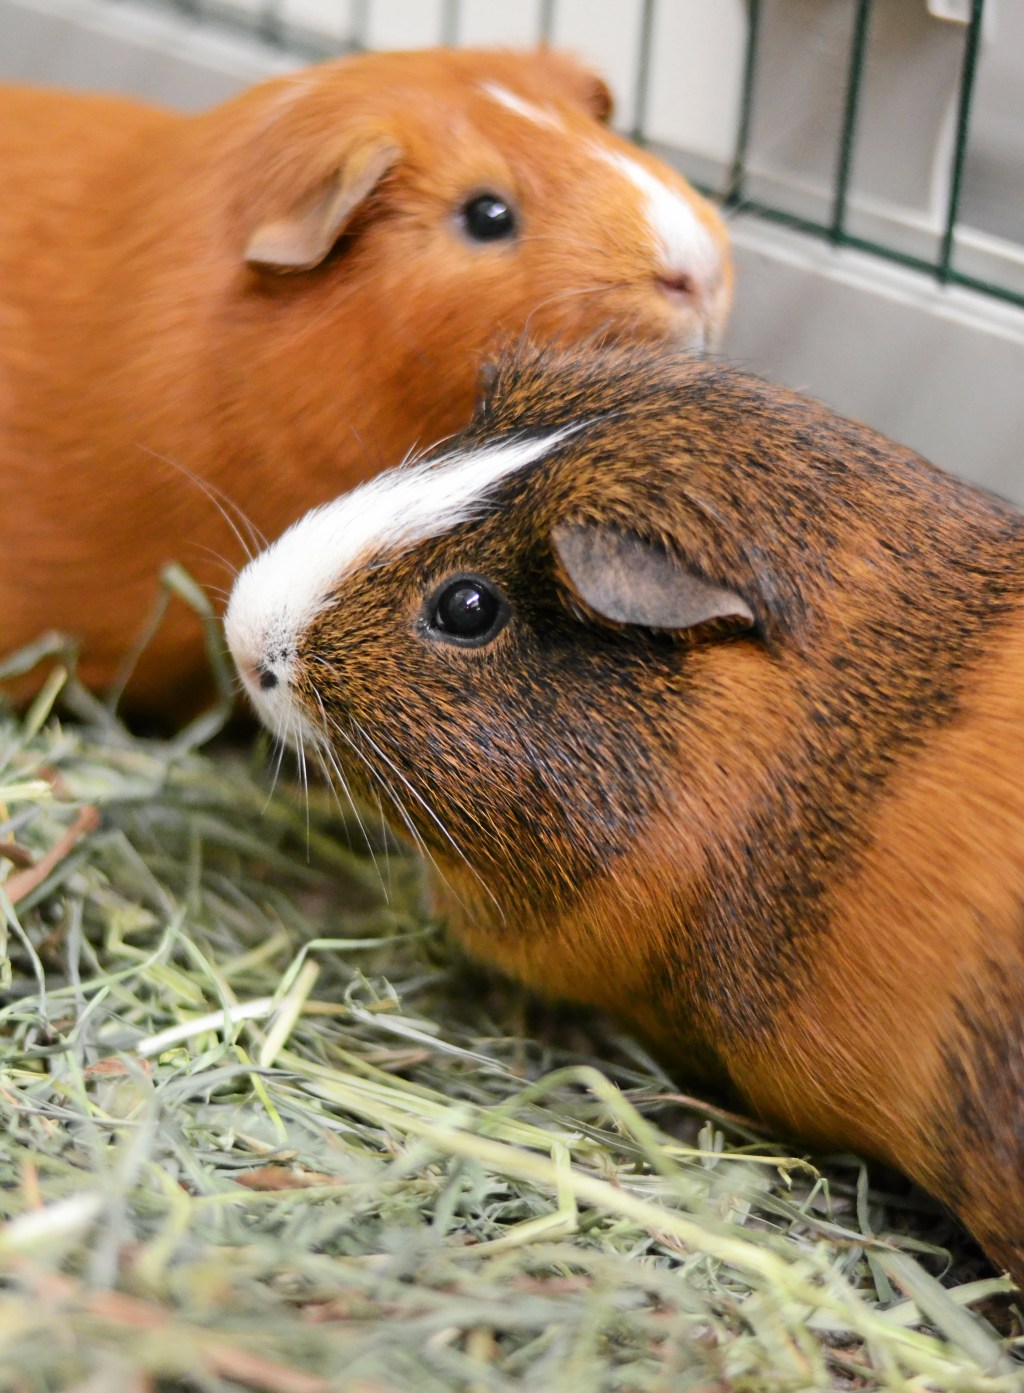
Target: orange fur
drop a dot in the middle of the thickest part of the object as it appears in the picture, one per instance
(935, 913)
(134, 338)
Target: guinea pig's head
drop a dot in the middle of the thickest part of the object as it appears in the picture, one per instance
(472, 195)
(649, 631)
(528, 647)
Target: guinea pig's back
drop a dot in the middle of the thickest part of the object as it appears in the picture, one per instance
(68, 169)
(39, 126)
(63, 218)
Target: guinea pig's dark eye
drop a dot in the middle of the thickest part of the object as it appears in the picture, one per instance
(488, 218)
(468, 611)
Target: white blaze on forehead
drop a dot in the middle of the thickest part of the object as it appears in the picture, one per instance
(539, 115)
(279, 592)
(684, 241)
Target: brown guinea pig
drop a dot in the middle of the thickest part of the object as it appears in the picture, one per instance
(707, 707)
(286, 293)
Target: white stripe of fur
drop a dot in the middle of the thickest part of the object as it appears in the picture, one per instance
(279, 592)
(539, 115)
(685, 243)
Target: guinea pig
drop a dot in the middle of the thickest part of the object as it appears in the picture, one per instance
(707, 708)
(285, 292)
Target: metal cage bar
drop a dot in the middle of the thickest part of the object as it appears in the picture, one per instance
(547, 21)
(737, 171)
(642, 89)
(361, 23)
(851, 106)
(963, 123)
(451, 22)
(940, 267)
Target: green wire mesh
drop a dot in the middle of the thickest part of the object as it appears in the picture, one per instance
(837, 229)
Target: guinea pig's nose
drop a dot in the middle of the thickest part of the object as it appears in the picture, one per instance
(698, 297)
(256, 674)
(678, 285)
(261, 675)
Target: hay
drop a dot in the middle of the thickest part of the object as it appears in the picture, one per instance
(260, 1133)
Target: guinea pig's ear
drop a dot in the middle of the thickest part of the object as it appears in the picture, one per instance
(301, 236)
(626, 579)
(597, 97)
(583, 83)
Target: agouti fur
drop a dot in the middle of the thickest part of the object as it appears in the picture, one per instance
(780, 834)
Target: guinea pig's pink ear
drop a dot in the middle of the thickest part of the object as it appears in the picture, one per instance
(581, 82)
(626, 579)
(302, 235)
(598, 99)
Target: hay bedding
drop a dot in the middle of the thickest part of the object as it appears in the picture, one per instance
(260, 1133)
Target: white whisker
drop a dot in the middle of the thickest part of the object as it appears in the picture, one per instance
(280, 742)
(415, 836)
(222, 502)
(429, 811)
(564, 295)
(300, 748)
(222, 561)
(332, 770)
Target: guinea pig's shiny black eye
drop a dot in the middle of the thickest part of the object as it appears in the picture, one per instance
(488, 218)
(467, 610)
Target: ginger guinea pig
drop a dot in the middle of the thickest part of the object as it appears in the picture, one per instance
(285, 293)
(707, 707)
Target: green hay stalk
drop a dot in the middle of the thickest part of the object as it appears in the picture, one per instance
(259, 1133)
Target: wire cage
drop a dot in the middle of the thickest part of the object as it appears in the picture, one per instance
(949, 178)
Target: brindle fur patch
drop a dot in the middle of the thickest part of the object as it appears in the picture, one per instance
(673, 829)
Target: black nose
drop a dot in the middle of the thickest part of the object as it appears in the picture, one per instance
(268, 679)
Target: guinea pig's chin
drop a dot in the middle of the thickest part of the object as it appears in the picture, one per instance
(697, 341)
(694, 334)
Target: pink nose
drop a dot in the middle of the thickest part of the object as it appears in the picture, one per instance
(679, 285)
(257, 676)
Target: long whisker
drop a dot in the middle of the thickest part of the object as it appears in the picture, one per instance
(221, 502)
(333, 771)
(430, 813)
(221, 560)
(300, 748)
(415, 836)
(385, 836)
(335, 781)
(568, 295)
(279, 740)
